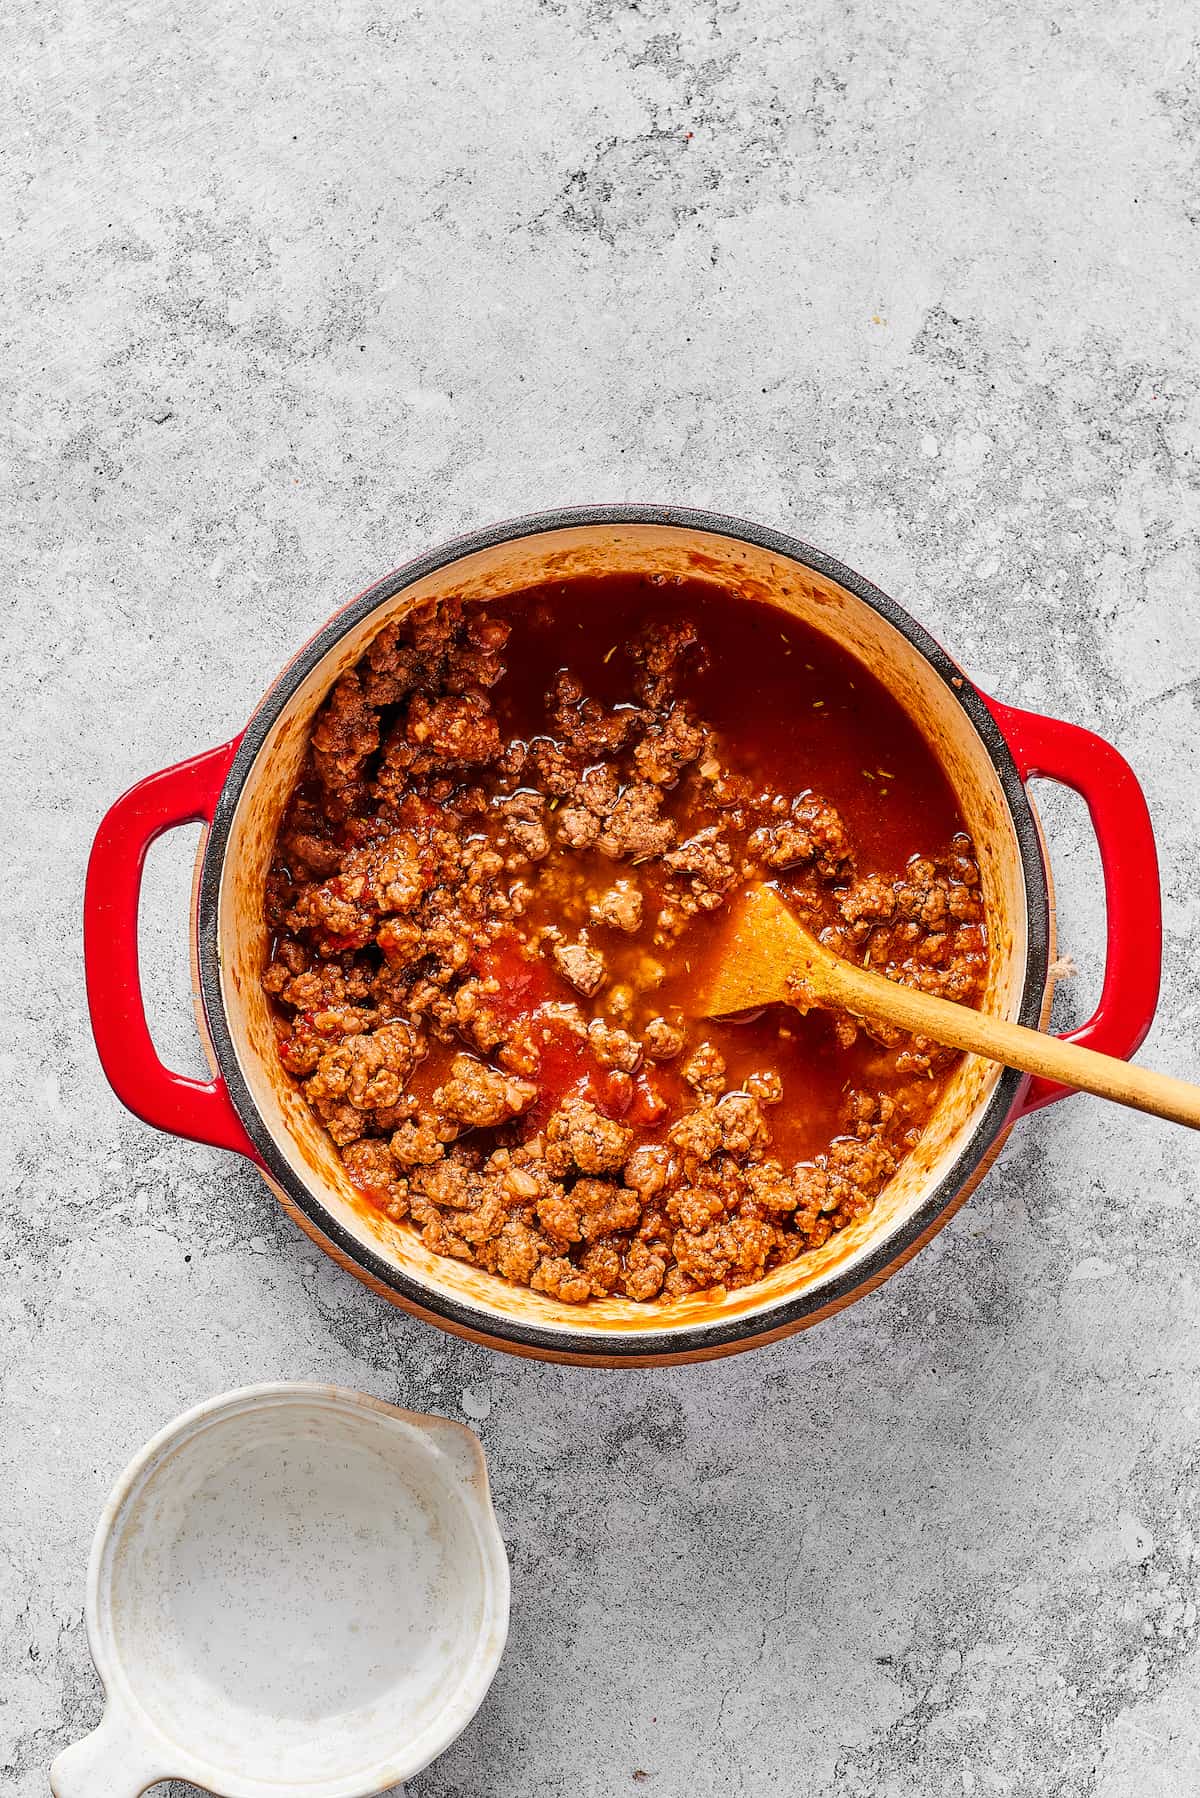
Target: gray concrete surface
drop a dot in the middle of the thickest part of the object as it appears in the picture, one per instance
(294, 291)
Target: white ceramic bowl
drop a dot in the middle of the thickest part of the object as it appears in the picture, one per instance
(291, 1587)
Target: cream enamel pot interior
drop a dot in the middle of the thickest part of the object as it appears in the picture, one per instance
(240, 789)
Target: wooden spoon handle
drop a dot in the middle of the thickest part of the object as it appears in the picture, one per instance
(1033, 1051)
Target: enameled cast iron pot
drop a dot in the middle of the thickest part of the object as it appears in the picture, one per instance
(238, 791)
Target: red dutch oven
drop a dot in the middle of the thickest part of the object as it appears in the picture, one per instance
(238, 791)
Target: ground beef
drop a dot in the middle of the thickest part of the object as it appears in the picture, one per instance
(621, 906)
(481, 1097)
(811, 832)
(459, 730)
(704, 864)
(580, 1137)
(869, 901)
(661, 654)
(415, 1144)
(632, 828)
(591, 730)
(374, 1170)
(705, 1070)
(369, 1070)
(667, 748)
(581, 966)
(743, 1126)
(766, 1087)
(345, 735)
(663, 1041)
(594, 795)
(525, 817)
(614, 1047)
(491, 1020)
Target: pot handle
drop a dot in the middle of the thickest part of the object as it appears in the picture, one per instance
(115, 1761)
(199, 1109)
(1081, 760)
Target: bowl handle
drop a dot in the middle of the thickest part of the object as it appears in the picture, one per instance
(115, 1761)
(199, 1109)
(1133, 956)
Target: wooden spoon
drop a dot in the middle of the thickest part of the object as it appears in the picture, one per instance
(767, 951)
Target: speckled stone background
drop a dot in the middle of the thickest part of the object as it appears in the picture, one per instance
(294, 291)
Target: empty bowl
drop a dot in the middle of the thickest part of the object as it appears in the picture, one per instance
(290, 1587)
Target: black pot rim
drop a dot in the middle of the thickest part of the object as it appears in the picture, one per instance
(635, 1345)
